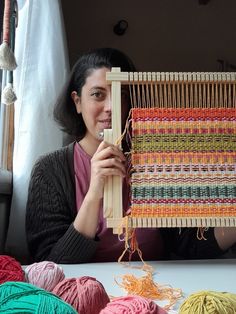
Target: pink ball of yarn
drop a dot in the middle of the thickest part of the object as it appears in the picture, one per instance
(10, 269)
(132, 304)
(45, 275)
(85, 294)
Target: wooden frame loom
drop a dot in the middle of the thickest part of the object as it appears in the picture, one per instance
(185, 158)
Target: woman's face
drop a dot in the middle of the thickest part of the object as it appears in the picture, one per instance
(95, 104)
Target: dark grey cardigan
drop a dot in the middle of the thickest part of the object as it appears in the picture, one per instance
(51, 210)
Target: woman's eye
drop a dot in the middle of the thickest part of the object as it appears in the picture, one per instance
(98, 95)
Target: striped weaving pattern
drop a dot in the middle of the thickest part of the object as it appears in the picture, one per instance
(184, 162)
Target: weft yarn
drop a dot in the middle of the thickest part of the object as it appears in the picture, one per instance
(45, 275)
(86, 294)
(10, 269)
(209, 302)
(22, 297)
(132, 304)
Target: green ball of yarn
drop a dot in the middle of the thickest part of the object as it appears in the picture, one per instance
(21, 297)
(209, 302)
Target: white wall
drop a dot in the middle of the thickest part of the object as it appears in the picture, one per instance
(163, 35)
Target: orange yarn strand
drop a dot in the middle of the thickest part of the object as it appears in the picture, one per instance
(144, 286)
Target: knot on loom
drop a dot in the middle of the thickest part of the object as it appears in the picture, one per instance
(209, 302)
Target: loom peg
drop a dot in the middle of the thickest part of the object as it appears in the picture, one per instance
(217, 222)
(139, 221)
(198, 77)
(176, 76)
(199, 222)
(131, 76)
(153, 76)
(173, 222)
(228, 76)
(135, 76)
(172, 76)
(209, 222)
(140, 76)
(194, 76)
(163, 76)
(232, 222)
(189, 76)
(215, 75)
(158, 76)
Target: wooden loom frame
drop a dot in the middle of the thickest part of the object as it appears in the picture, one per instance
(113, 209)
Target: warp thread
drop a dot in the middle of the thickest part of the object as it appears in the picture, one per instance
(10, 269)
(209, 302)
(132, 304)
(45, 275)
(22, 297)
(86, 294)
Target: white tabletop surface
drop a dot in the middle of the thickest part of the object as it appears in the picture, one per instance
(190, 276)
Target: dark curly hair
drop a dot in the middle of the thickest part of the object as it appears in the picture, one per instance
(65, 111)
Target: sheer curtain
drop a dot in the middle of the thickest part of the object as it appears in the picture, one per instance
(41, 54)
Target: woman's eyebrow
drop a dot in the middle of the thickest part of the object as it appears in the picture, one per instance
(98, 87)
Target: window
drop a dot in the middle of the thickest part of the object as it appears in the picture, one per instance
(6, 111)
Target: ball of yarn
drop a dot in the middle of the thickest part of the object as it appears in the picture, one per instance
(10, 269)
(209, 302)
(45, 274)
(132, 304)
(85, 294)
(22, 297)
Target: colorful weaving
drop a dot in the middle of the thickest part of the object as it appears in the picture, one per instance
(183, 162)
(183, 150)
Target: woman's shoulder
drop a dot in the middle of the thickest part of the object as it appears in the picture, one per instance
(61, 157)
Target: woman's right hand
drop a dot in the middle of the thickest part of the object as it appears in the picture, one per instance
(107, 160)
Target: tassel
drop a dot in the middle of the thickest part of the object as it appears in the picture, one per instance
(7, 58)
(8, 95)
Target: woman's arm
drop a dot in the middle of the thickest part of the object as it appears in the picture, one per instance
(55, 231)
(225, 237)
(50, 213)
(185, 243)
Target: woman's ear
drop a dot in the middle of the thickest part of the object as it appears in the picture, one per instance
(77, 101)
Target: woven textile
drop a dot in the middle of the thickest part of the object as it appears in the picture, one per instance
(183, 162)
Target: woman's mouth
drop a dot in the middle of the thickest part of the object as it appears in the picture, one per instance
(106, 123)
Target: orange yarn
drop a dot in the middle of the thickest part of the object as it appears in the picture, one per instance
(144, 286)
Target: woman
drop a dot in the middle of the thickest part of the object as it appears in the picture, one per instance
(64, 217)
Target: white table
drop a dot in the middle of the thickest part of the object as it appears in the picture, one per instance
(190, 276)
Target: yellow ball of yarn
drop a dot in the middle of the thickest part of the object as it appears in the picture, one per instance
(209, 302)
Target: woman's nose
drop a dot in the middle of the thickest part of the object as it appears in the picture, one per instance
(108, 105)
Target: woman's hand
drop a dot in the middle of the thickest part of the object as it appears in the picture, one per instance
(107, 160)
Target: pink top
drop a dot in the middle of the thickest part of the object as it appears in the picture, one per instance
(110, 247)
